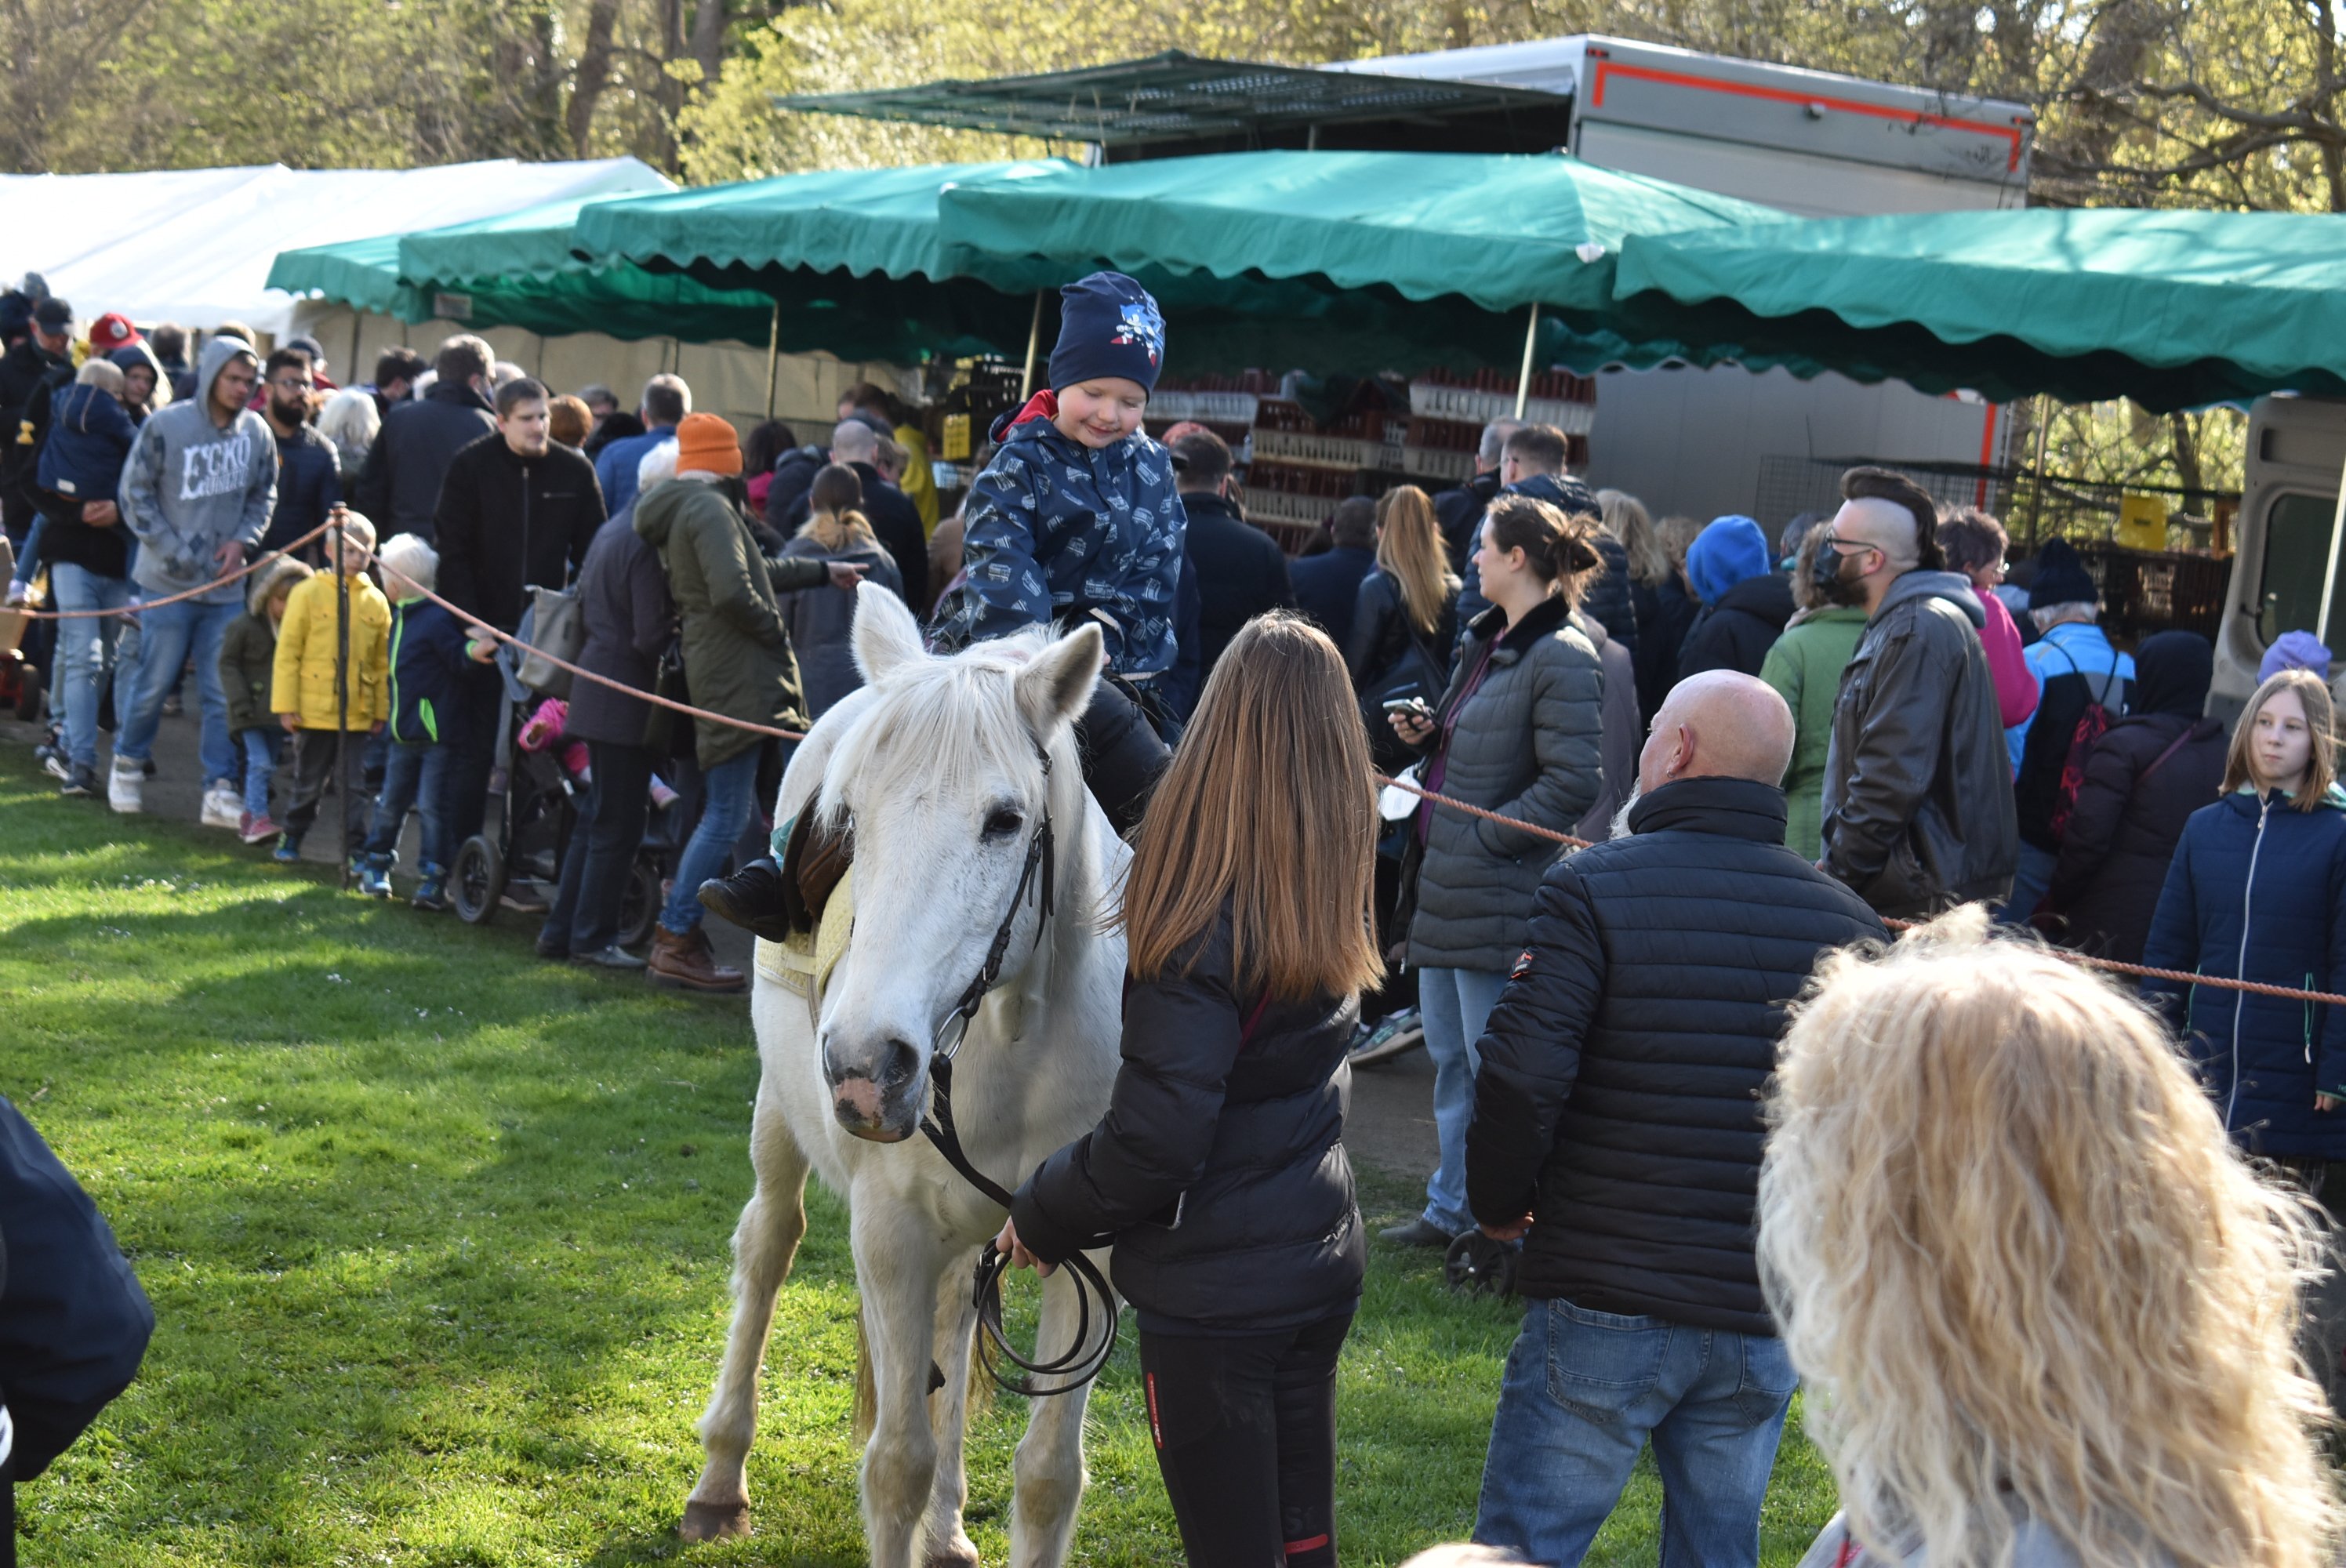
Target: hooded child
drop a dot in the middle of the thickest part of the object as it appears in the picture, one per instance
(427, 659)
(304, 695)
(248, 668)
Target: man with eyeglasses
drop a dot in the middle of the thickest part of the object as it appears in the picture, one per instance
(1918, 806)
(309, 474)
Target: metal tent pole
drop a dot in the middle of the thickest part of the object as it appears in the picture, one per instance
(1034, 346)
(334, 542)
(773, 356)
(2329, 574)
(1524, 381)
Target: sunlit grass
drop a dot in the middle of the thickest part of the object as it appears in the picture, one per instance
(436, 1239)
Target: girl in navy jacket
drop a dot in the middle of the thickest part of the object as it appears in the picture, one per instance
(2257, 892)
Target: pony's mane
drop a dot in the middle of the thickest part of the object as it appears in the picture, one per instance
(936, 722)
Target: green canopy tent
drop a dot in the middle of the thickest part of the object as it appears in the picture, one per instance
(1356, 261)
(2174, 309)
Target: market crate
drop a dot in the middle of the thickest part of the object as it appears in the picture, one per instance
(1314, 450)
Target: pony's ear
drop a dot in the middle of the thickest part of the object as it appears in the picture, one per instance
(1056, 687)
(886, 635)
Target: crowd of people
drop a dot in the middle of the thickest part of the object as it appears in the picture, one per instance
(1972, 1196)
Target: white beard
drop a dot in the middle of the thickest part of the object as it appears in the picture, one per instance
(1621, 828)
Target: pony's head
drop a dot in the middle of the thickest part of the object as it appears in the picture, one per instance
(944, 779)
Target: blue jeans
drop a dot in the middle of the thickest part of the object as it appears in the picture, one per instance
(168, 635)
(263, 744)
(413, 777)
(1455, 1004)
(725, 810)
(84, 649)
(2031, 880)
(1581, 1393)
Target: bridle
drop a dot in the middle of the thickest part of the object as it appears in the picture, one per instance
(1076, 1367)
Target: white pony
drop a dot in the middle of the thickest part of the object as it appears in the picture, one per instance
(939, 766)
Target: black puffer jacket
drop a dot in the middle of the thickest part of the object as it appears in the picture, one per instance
(1242, 1128)
(1381, 632)
(399, 488)
(1619, 1098)
(1918, 812)
(2123, 832)
(1736, 632)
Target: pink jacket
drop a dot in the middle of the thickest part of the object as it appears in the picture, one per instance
(2015, 688)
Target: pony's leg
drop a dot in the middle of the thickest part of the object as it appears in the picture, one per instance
(897, 1265)
(1048, 1472)
(764, 1243)
(948, 1545)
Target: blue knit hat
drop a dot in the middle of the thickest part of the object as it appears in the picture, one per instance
(1108, 326)
(1730, 550)
(2061, 578)
(2295, 650)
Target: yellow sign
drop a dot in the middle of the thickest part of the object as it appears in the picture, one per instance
(956, 441)
(2142, 522)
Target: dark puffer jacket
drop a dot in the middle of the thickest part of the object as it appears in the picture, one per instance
(1619, 1100)
(399, 488)
(1528, 744)
(1736, 632)
(1240, 1127)
(623, 598)
(1918, 812)
(1381, 632)
(2257, 892)
(2124, 830)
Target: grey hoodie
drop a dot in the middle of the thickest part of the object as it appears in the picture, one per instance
(191, 486)
(1951, 586)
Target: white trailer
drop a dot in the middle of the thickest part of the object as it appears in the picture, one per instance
(1816, 144)
(2287, 534)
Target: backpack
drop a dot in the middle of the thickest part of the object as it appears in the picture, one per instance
(2091, 726)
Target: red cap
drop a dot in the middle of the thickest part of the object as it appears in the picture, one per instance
(111, 331)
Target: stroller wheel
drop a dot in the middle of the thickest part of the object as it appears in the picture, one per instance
(32, 687)
(640, 901)
(476, 880)
(1476, 1265)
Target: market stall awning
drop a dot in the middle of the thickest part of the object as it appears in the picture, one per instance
(2171, 309)
(516, 271)
(1175, 98)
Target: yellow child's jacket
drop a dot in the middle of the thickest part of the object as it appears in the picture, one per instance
(303, 681)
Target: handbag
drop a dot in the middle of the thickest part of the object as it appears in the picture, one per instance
(557, 624)
(662, 724)
(1416, 673)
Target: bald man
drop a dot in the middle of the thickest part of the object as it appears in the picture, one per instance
(1617, 1134)
(1918, 803)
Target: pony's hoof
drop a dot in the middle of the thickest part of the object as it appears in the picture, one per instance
(715, 1520)
(960, 1554)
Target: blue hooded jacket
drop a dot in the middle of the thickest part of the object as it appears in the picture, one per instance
(1054, 531)
(89, 438)
(2257, 892)
(1731, 550)
(427, 651)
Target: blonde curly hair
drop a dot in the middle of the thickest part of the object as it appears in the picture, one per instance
(2023, 1273)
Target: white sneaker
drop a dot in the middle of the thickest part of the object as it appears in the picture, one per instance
(123, 781)
(223, 807)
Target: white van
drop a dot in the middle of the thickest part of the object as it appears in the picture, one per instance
(2289, 507)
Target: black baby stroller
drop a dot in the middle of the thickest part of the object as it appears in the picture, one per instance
(535, 817)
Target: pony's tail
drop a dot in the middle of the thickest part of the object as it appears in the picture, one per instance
(978, 1398)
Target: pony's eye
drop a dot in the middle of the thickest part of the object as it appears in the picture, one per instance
(1004, 823)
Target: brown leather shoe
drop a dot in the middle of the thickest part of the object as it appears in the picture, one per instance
(685, 964)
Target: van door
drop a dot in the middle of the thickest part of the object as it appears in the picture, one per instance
(2288, 502)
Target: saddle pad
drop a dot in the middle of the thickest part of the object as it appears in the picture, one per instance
(804, 963)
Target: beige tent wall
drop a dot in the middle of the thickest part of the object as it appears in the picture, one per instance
(726, 378)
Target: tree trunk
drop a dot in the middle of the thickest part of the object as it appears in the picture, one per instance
(2186, 461)
(708, 40)
(593, 76)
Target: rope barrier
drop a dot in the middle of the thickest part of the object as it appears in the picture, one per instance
(255, 565)
(2109, 965)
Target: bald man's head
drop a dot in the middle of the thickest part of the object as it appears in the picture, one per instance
(853, 442)
(1721, 724)
(1884, 524)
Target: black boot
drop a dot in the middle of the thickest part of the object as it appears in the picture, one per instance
(751, 898)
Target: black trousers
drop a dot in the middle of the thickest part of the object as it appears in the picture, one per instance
(602, 852)
(1245, 1431)
(313, 765)
(1123, 753)
(471, 749)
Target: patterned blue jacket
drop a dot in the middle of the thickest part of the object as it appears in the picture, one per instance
(1054, 531)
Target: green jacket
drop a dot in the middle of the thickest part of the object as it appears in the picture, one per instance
(737, 651)
(1804, 667)
(247, 655)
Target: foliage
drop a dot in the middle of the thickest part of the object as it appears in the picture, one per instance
(436, 1240)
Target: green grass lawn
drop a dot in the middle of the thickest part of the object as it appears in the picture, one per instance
(436, 1237)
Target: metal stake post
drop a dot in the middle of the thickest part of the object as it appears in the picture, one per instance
(1524, 381)
(1034, 345)
(334, 542)
(773, 356)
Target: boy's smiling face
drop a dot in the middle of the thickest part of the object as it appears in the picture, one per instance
(1102, 411)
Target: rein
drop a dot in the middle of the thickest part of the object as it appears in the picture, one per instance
(1076, 1367)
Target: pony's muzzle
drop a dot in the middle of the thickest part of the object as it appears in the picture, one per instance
(872, 1090)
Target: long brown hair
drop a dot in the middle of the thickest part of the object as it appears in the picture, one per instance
(1556, 547)
(2321, 727)
(1295, 861)
(833, 521)
(1410, 552)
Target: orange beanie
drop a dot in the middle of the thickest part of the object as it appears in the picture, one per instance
(705, 443)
